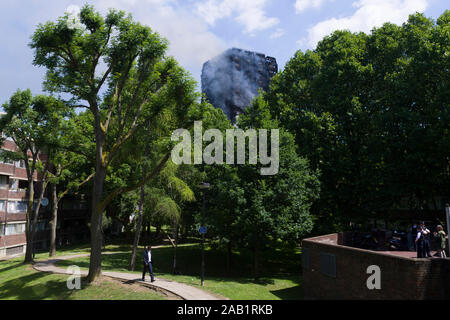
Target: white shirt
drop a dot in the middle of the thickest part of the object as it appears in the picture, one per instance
(149, 256)
(426, 231)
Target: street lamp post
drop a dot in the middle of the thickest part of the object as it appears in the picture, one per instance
(203, 186)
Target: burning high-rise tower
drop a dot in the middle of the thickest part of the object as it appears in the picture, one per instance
(231, 80)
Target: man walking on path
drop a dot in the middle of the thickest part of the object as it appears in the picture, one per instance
(148, 263)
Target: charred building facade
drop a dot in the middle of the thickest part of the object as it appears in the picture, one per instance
(231, 80)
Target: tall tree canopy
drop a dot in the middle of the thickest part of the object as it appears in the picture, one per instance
(117, 69)
(255, 211)
(371, 111)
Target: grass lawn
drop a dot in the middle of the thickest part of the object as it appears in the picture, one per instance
(22, 282)
(280, 270)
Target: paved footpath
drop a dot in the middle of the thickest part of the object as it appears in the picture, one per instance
(184, 291)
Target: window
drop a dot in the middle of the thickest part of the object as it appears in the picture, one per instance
(18, 185)
(4, 182)
(13, 184)
(20, 164)
(17, 206)
(2, 205)
(16, 228)
(23, 185)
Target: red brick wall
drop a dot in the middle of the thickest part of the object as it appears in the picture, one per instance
(17, 195)
(7, 169)
(401, 278)
(9, 145)
(3, 193)
(7, 241)
(22, 173)
(17, 217)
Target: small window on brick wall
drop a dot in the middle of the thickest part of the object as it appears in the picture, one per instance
(4, 182)
(20, 164)
(23, 184)
(17, 206)
(328, 264)
(16, 228)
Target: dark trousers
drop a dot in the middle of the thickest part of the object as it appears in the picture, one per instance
(420, 249)
(148, 268)
(427, 248)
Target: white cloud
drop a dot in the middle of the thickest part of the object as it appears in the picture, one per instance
(302, 5)
(369, 14)
(191, 43)
(73, 21)
(277, 34)
(73, 9)
(249, 13)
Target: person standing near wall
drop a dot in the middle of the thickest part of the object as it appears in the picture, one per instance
(441, 237)
(427, 234)
(420, 242)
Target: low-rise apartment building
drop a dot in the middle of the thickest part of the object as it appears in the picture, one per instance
(73, 213)
(13, 205)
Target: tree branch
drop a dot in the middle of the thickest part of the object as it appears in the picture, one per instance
(78, 186)
(102, 206)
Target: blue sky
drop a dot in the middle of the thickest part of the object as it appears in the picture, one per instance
(200, 29)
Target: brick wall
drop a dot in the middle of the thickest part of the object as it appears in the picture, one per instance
(17, 195)
(401, 278)
(8, 241)
(17, 217)
(6, 169)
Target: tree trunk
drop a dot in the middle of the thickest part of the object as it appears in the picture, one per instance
(29, 249)
(229, 252)
(158, 231)
(175, 236)
(53, 222)
(138, 226)
(141, 207)
(36, 213)
(95, 262)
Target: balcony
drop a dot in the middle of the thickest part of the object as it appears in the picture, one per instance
(6, 169)
(20, 194)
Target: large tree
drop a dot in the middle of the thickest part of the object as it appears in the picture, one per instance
(255, 211)
(371, 111)
(117, 69)
(71, 165)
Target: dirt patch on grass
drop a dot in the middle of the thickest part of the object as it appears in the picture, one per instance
(136, 287)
